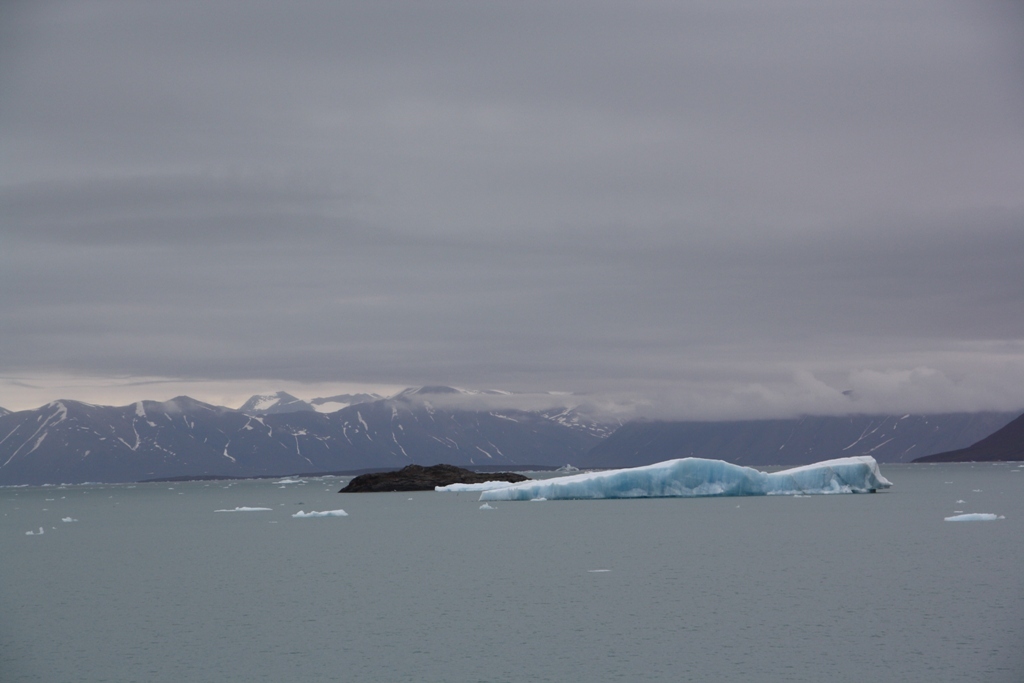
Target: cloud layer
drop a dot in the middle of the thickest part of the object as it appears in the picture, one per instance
(720, 211)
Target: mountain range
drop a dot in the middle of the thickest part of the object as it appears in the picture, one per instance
(71, 442)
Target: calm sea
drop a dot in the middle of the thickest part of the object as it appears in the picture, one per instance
(151, 584)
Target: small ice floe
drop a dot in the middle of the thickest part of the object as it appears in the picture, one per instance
(598, 571)
(326, 513)
(485, 506)
(290, 481)
(245, 509)
(961, 502)
(975, 517)
(68, 519)
(538, 500)
(35, 533)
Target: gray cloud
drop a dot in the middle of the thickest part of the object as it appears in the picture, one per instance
(717, 210)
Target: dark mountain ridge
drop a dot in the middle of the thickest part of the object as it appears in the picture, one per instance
(1006, 444)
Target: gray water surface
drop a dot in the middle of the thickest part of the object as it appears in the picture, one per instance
(151, 584)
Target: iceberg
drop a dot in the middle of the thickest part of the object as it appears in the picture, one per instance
(246, 509)
(326, 513)
(695, 477)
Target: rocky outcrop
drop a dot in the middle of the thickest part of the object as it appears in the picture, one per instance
(419, 478)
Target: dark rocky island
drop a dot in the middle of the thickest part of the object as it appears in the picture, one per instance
(419, 478)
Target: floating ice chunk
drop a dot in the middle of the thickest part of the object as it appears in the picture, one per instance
(290, 481)
(245, 509)
(537, 500)
(326, 513)
(598, 571)
(462, 488)
(692, 477)
(35, 533)
(68, 519)
(975, 517)
(960, 502)
(485, 506)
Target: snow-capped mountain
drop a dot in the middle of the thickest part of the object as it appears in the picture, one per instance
(69, 441)
(330, 404)
(281, 402)
(275, 403)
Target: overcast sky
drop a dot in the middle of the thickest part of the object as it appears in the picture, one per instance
(714, 209)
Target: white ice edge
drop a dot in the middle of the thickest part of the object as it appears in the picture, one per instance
(463, 488)
(245, 509)
(697, 477)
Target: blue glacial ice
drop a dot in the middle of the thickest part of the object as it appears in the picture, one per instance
(693, 477)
